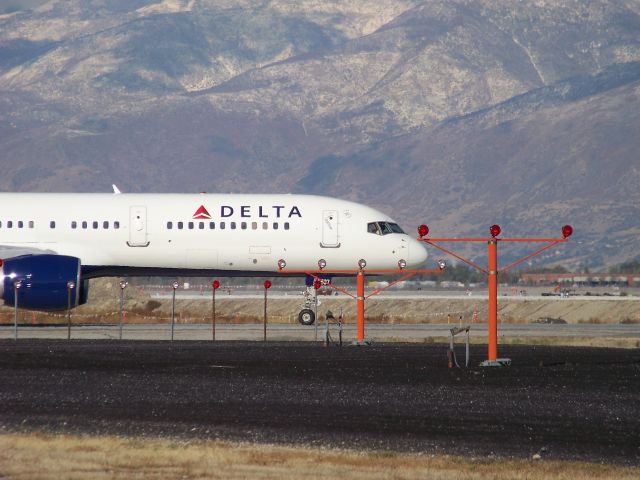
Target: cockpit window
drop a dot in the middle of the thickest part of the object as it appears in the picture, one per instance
(386, 229)
(395, 228)
(383, 228)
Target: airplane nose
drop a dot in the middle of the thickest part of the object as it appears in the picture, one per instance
(417, 254)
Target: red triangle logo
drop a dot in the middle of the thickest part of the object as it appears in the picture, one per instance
(201, 213)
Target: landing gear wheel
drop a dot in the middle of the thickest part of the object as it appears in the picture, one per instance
(306, 317)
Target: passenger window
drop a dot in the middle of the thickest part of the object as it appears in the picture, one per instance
(265, 225)
(254, 225)
(74, 224)
(84, 224)
(95, 225)
(20, 224)
(190, 225)
(52, 224)
(286, 225)
(116, 225)
(30, 223)
(201, 225)
(222, 225)
(105, 225)
(180, 225)
(212, 225)
(0, 224)
(275, 225)
(233, 225)
(10, 224)
(169, 225)
(243, 225)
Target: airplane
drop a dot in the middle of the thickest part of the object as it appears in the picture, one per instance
(51, 244)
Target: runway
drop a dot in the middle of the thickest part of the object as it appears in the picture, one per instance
(297, 332)
(559, 402)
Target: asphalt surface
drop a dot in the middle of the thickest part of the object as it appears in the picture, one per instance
(559, 402)
(292, 332)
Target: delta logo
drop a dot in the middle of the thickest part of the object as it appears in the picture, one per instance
(248, 211)
(202, 214)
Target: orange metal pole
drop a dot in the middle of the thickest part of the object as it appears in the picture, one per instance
(360, 303)
(493, 298)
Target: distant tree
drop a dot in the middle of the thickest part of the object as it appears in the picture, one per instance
(630, 266)
(556, 269)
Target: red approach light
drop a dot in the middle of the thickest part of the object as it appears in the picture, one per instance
(267, 284)
(1, 262)
(423, 230)
(215, 284)
(495, 230)
(317, 284)
(567, 230)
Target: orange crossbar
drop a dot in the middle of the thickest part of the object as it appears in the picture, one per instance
(486, 239)
(453, 254)
(355, 271)
(540, 250)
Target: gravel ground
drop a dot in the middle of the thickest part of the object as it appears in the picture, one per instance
(558, 402)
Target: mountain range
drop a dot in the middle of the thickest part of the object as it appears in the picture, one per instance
(455, 113)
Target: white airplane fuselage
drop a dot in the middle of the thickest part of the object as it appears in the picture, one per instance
(120, 234)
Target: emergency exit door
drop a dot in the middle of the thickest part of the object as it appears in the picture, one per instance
(138, 227)
(330, 229)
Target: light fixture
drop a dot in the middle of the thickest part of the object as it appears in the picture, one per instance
(281, 264)
(215, 284)
(402, 263)
(267, 284)
(442, 264)
(567, 230)
(495, 230)
(175, 285)
(123, 284)
(322, 263)
(423, 230)
(362, 263)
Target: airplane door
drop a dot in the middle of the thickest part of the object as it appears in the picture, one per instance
(330, 229)
(138, 227)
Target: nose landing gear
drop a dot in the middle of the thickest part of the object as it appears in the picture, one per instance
(307, 315)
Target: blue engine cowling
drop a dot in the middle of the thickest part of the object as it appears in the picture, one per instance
(47, 282)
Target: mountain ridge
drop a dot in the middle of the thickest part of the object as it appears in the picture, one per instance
(464, 113)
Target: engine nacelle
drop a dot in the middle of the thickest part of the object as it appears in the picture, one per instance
(44, 282)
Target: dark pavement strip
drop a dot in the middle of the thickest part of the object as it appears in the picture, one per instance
(570, 403)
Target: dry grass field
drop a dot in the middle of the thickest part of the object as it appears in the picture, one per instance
(40, 456)
(141, 310)
(573, 341)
